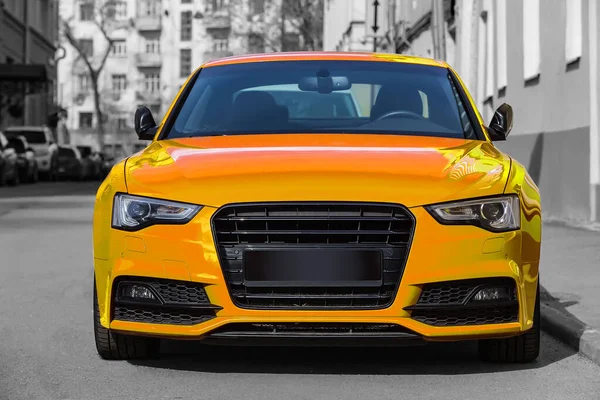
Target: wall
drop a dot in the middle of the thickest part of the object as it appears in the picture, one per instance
(551, 127)
(347, 24)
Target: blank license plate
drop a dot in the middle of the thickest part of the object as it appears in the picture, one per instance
(313, 268)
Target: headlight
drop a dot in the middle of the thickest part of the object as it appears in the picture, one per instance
(497, 214)
(132, 213)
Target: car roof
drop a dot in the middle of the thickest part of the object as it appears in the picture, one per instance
(25, 128)
(325, 55)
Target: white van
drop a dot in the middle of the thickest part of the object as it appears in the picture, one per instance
(41, 141)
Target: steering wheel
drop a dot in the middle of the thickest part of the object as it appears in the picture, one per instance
(402, 113)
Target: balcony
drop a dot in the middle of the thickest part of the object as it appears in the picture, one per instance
(148, 60)
(219, 20)
(215, 54)
(148, 23)
(148, 98)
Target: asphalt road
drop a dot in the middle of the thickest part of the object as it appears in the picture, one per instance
(47, 347)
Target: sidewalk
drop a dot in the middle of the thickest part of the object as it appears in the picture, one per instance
(570, 279)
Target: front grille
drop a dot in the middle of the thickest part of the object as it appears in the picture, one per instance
(468, 316)
(457, 292)
(388, 228)
(158, 315)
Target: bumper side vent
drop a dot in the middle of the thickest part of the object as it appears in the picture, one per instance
(455, 303)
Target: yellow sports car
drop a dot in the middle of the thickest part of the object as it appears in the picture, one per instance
(319, 199)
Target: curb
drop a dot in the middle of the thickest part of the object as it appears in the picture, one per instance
(572, 332)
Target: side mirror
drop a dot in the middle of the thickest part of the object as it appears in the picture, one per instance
(145, 127)
(502, 123)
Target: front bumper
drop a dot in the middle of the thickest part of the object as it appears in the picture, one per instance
(44, 162)
(437, 254)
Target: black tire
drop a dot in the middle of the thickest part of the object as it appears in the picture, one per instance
(2, 177)
(524, 348)
(34, 176)
(14, 181)
(114, 346)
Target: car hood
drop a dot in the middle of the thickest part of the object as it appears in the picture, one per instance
(407, 170)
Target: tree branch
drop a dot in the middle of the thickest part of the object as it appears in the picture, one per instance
(101, 24)
(68, 34)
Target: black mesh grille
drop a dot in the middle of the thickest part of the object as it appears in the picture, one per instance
(160, 316)
(456, 292)
(173, 291)
(451, 303)
(177, 302)
(181, 292)
(472, 316)
(310, 225)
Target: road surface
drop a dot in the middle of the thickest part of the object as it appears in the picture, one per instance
(47, 347)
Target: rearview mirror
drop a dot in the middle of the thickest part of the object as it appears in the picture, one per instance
(502, 123)
(324, 84)
(144, 123)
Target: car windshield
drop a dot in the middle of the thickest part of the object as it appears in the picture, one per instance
(17, 144)
(32, 137)
(322, 97)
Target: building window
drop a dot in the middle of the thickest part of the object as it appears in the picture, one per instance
(120, 10)
(574, 31)
(122, 124)
(502, 61)
(186, 26)
(149, 8)
(86, 11)
(119, 83)
(85, 120)
(531, 39)
(256, 43)
(83, 83)
(87, 47)
(291, 41)
(214, 5)
(152, 82)
(220, 44)
(152, 45)
(257, 6)
(119, 48)
(185, 62)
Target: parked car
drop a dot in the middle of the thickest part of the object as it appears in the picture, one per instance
(407, 225)
(9, 172)
(92, 163)
(70, 164)
(41, 141)
(27, 165)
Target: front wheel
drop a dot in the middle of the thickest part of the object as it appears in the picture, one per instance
(524, 348)
(116, 346)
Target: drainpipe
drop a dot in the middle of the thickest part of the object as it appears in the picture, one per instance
(26, 59)
(594, 117)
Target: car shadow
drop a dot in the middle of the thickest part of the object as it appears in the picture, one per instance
(430, 359)
(572, 337)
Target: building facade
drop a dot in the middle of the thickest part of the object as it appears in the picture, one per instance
(157, 44)
(542, 59)
(28, 54)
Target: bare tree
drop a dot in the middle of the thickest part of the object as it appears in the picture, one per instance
(278, 22)
(306, 18)
(103, 18)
